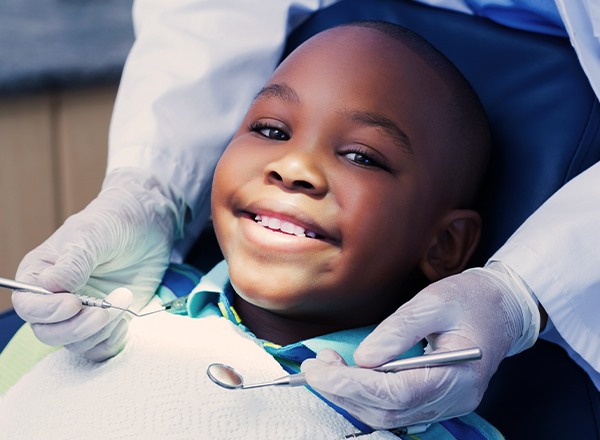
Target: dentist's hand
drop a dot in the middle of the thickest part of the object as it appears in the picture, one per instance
(95, 333)
(489, 308)
(123, 238)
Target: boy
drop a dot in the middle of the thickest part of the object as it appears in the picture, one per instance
(348, 186)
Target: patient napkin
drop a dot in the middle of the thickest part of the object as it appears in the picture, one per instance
(157, 388)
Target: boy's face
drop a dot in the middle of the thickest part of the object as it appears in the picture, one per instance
(326, 198)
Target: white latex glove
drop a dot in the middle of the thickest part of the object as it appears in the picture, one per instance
(489, 308)
(123, 238)
(96, 333)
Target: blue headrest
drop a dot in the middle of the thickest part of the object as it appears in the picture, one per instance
(544, 116)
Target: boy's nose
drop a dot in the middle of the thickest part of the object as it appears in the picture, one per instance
(297, 172)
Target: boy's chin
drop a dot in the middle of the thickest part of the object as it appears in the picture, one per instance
(280, 300)
(273, 284)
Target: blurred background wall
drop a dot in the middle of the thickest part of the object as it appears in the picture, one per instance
(61, 61)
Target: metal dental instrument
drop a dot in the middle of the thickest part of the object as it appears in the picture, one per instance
(227, 377)
(86, 300)
(177, 306)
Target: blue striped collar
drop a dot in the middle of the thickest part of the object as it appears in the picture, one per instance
(215, 290)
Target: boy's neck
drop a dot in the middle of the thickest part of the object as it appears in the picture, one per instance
(282, 330)
(279, 329)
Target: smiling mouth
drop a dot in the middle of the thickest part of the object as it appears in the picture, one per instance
(284, 226)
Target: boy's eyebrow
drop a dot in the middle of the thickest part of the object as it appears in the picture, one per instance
(286, 93)
(280, 91)
(389, 126)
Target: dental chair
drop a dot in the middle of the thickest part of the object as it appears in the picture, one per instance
(545, 122)
(9, 324)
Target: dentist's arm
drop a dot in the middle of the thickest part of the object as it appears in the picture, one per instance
(194, 68)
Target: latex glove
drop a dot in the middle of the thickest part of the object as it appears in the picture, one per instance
(123, 238)
(96, 333)
(489, 308)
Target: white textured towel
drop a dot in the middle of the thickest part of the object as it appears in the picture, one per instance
(157, 388)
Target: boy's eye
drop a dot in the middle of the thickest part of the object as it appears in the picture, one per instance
(364, 159)
(270, 131)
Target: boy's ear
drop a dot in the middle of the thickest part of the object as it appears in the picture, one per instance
(452, 245)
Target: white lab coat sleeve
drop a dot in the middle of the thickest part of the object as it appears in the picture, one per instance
(557, 253)
(193, 70)
(582, 22)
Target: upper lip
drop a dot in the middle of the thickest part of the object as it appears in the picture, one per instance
(291, 213)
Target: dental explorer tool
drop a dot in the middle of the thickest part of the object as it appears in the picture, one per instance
(227, 377)
(86, 300)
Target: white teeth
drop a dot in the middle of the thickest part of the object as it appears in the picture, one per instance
(283, 226)
(299, 231)
(287, 227)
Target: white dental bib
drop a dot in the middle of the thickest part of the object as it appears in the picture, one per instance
(157, 388)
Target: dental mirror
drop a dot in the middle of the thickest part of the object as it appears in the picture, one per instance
(227, 377)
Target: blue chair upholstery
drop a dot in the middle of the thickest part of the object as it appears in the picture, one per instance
(545, 121)
(9, 324)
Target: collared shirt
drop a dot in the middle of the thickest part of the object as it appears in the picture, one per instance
(213, 296)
